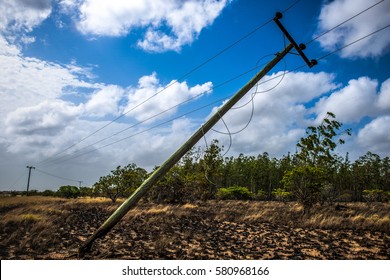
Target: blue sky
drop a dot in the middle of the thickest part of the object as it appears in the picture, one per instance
(71, 67)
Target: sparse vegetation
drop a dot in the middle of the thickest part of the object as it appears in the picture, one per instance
(53, 228)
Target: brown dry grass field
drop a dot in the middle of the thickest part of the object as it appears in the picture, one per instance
(54, 228)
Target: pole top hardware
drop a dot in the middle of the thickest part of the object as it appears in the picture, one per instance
(299, 47)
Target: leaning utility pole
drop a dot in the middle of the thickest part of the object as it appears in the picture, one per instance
(29, 176)
(176, 156)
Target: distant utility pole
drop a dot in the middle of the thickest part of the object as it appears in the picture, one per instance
(176, 156)
(80, 183)
(29, 176)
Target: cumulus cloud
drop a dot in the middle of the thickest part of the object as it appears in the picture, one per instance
(161, 97)
(375, 136)
(22, 16)
(46, 118)
(351, 103)
(279, 117)
(105, 101)
(356, 100)
(383, 102)
(169, 24)
(27, 81)
(335, 12)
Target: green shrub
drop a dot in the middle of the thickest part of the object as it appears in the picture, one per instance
(373, 195)
(48, 193)
(306, 184)
(281, 194)
(68, 192)
(261, 195)
(234, 192)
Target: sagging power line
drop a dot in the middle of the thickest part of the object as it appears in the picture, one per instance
(58, 177)
(80, 152)
(176, 156)
(244, 37)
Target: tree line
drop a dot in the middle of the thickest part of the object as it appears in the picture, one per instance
(314, 174)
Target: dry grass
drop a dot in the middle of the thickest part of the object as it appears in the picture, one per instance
(357, 216)
(46, 227)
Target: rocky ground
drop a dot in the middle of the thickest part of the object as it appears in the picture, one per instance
(206, 230)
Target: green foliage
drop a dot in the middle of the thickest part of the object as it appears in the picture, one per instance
(122, 182)
(280, 194)
(374, 195)
(211, 166)
(234, 192)
(68, 192)
(305, 183)
(316, 164)
(48, 193)
(86, 191)
(261, 195)
(317, 147)
(314, 174)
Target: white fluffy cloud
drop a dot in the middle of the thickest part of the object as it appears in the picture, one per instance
(383, 102)
(105, 101)
(279, 117)
(27, 81)
(169, 24)
(335, 12)
(356, 100)
(351, 103)
(162, 97)
(375, 136)
(46, 118)
(22, 16)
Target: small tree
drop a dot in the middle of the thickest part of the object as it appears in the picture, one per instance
(122, 182)
(68, 191)
(212, 168)
(306, 183)
(107, 188)
(316, 149)
(315, 162)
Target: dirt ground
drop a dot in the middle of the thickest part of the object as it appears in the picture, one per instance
(205, 230)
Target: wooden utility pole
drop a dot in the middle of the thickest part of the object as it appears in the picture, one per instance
(176, 156)
(29, 176)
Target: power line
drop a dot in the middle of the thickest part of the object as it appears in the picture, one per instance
(244, 37)
(158, 114)
(76, 155)
(177, 105)
(354, 42)
(247, 35)
(224, 98)
(56, 176)
(23, 175)
(165, 88)
(344, 22)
